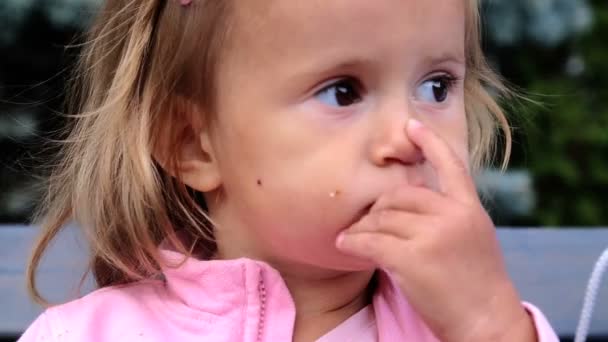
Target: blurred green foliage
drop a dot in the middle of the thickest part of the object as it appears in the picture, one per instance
(554, 50)
(564, 141)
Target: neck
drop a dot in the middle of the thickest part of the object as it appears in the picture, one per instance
(323, 298)
(324, 303)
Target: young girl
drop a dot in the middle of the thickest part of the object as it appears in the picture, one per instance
(283, 171)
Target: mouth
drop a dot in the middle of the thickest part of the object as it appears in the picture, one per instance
(362, 213)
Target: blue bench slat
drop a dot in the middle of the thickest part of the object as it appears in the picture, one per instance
(59, 276)
(550, 268)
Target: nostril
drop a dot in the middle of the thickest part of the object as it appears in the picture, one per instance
(412, 158)
(392, 160)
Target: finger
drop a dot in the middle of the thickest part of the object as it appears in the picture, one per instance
(413, 199)
(453, 173)
(399, 223)
(384, 250)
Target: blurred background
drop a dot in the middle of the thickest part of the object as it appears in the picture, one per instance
(553, 50)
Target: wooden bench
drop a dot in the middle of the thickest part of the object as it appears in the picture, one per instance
(550, 268)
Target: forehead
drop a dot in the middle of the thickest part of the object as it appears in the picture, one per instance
(296, 27)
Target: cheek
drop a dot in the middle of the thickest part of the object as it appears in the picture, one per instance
(460, 143)
(454, 131)
(281, 164)
(460, 140)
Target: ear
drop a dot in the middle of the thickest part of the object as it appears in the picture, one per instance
(184, 148)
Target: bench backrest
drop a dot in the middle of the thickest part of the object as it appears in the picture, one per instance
(550, 268)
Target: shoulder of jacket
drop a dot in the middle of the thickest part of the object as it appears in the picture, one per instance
(101, 302)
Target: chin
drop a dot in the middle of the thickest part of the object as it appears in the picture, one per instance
(342, 262)
(358, 266)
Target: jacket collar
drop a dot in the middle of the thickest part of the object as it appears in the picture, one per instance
(222, 287)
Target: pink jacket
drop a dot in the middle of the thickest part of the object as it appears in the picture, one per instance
(234, 300)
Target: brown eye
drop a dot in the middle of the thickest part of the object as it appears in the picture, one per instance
(435, 90)
(342, 93)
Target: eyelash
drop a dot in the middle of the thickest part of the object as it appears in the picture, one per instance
(349, 82)
(451, 80)
(446, 79)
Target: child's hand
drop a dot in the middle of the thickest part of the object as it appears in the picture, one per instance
(441, 248)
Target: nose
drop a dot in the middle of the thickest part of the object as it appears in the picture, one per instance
(391, 144)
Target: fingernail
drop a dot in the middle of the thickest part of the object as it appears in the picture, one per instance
(340, 240)
(414, 124)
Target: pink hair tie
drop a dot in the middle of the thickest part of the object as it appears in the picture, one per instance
(185, 2)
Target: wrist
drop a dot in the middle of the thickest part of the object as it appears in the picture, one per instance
(524, 330)
(520, 327)
(504, 319)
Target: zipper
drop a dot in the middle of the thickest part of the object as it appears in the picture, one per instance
(262, 294)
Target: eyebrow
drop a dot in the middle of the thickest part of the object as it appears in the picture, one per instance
(328, 67)
(336, 63)
(446, 58)
(333, 64)
(325, 67)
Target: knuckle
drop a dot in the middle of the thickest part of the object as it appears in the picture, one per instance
(425, 195)
(381, 202)
(391, 196)
(458, 164)
(384, 218)
(369, 244)
(460, 215)
(365, 243)
(382, 252)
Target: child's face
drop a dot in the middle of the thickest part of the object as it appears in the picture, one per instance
(314, 97)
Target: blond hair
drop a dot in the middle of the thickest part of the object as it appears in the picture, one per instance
(141, 58)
